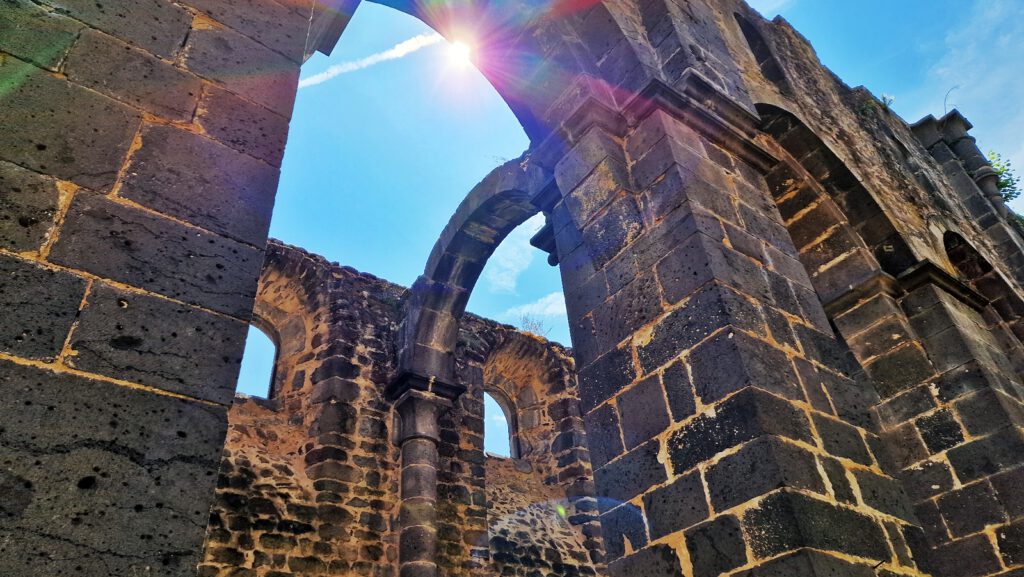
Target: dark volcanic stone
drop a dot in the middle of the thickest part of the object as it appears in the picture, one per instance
(159, 343)
(39, 305)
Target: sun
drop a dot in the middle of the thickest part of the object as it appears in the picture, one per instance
(460, 53)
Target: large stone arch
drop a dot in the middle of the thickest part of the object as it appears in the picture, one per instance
(493, 209)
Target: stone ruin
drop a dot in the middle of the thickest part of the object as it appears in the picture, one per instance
(796, 319)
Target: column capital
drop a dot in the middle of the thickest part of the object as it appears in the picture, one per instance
(418, 412)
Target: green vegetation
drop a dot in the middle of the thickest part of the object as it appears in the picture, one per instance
(1009, 182)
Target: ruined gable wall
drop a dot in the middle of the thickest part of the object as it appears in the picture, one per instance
(308, 478)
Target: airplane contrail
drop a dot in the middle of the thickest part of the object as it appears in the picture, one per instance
(400, 50)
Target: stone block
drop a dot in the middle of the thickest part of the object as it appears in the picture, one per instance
(642, 412)
(904, 407)
(884, 494)
(679, 391)
(28, 207)
(203, 182)
(716, 547)
(884, 336)
(597, 189)
(899, 370)
(744, 417)
(105, 462)
(151, 341)
(133, 76)
(35, 34)
(1007, 486)
(242, 125)
(970, 377)
(933, 528)
(593, 148)
(808, 563)
(940, 431)
(676, 506)
(627, 311)
(608, 234)
(631, 474)
(813, 380)
(866, 313)
(154, 25)
(971, 509)
(927, 479)
(842, 440)
(970, 557)
(989, 455)
(655, 561)
(1011, 543)
(787, 521)
(39, 306)
(761, 467)
(244, 67)
(700, 259)
(731, 361)
(604, 377)
(988, 411)
(74, 134)
(279, 26)
(840, 480)
(714, 307)
(621, 525)
(135, 247)
(904, 445)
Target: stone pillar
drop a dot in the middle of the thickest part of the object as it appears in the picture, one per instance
(418, 437)
(725, 433)
(975, 182)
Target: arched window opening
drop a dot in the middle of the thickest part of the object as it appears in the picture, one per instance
(1005, 313)
(517, 286)
(985, 279)
(964, 258)
(256, 377)
(762, 53)
(499, 432)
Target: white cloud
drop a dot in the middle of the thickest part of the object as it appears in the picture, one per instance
(499, 419)
(769, 7)
(400, 50)
(552, 305)
(980, 61)
(512, 257)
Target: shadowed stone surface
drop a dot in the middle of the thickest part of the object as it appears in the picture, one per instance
(124, 244)
(114, 337)
(132, 76)
(202, 182)
(28, 207)
(54, 127)
(136, 460)
(36, 322)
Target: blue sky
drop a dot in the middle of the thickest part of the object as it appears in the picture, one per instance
(384, 147)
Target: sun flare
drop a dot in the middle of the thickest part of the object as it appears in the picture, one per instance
(460, 53)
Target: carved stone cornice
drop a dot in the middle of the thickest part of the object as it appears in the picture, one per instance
(706, 109)
(927, 272)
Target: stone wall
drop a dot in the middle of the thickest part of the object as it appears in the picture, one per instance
(528, 526)
(307, 484)
(765, 271)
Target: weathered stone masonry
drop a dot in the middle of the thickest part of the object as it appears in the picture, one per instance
(796, 319)
(309, 483)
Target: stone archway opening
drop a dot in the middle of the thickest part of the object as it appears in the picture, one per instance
(259, 363)
(499, 426)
